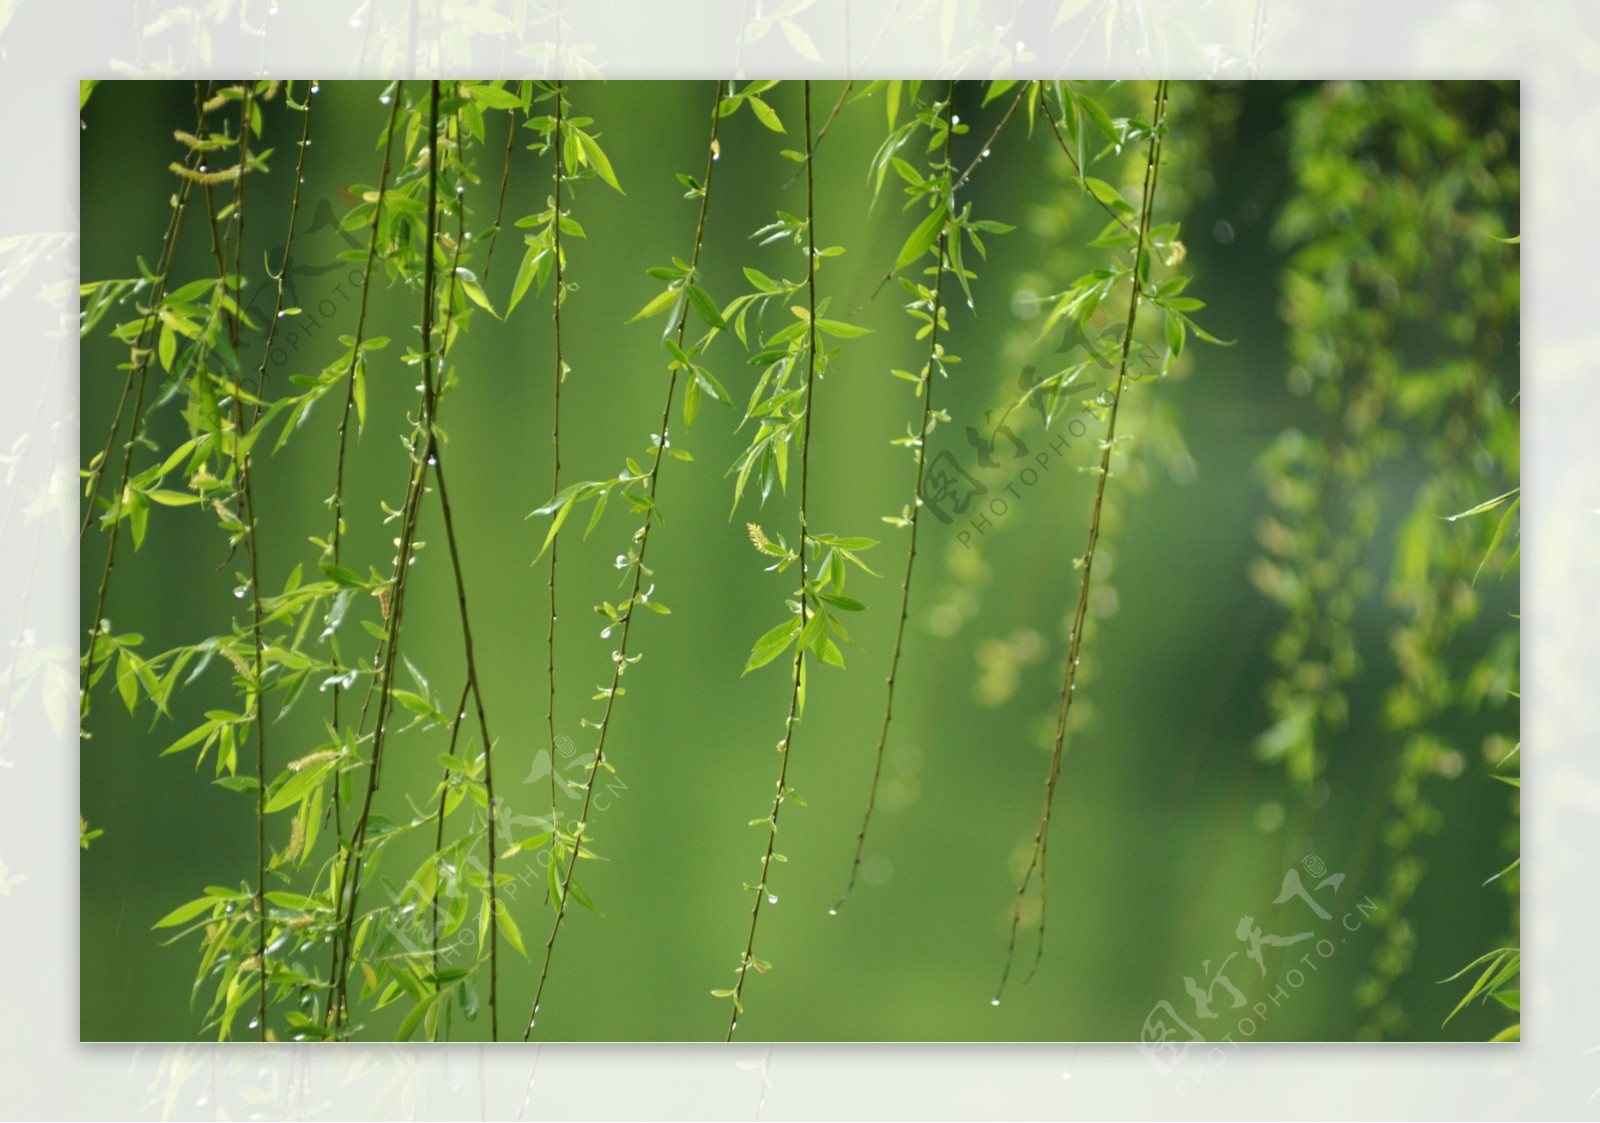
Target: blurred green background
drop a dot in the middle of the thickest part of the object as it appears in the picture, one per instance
(1167, 829)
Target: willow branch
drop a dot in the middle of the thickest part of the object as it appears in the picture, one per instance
(360, 333)
(916, 512)
(474, 681)
(823, 132)
(994, 136)
(960, 181)
(1039, 851)
(652, 486)
(1055, 127)
(143, 353)
(247, 515)
(415, 488)
(336, 501)
(505, 181)
(284, 265)
(555, 448)
(476, 685)
(787, 745)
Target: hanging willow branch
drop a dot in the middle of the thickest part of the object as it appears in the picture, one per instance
(505, 181)
(1136, 278)
(556, 147)
(383, 684)
(636, 595)
(961, 180)
(797, 684)
(143, 353)
(913, 518)
(474, 682)
(336, 501)
(247, 511)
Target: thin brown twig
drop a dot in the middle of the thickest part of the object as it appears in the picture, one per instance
(959, 183)
(1038, 854)
(247, 512)
(361, 327)
(989, 144)
(415, 488)
(142, 351)
(652, 488)
(284, 265)
(488, 745)
(822, 132)
(337, 499)
(1065, 148)
(921, 446)
(460, 713)
(747, 959)
(474, 681)
(500, 208)
(137, 381)
(555, 441)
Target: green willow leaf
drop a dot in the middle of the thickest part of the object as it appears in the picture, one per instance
(597, 158)
(922, 238)
(772, 644)
(705, 307)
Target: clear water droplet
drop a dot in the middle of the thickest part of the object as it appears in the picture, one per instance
(833, 912)
(272, 11)
(239, 593)
(994, 1001)
(772, 898)
(315, 86)
(355, 21)
(383, 100)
